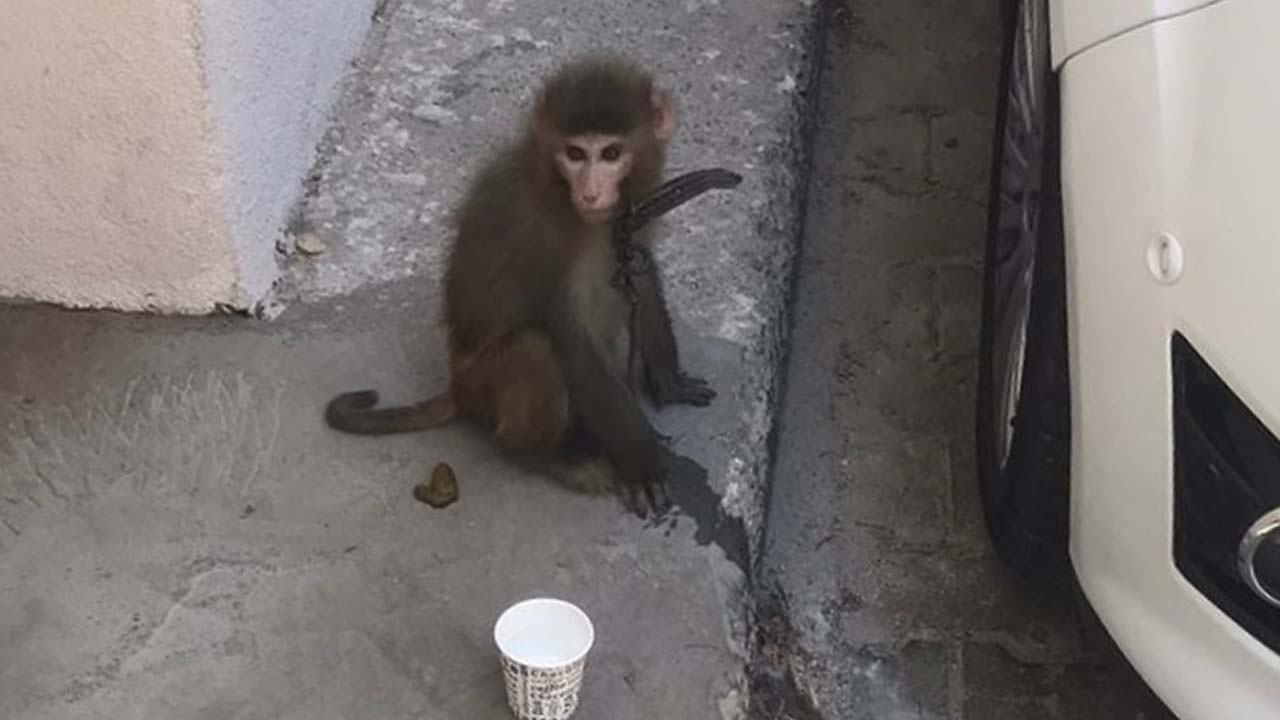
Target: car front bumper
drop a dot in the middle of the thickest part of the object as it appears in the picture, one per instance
(1169, 140)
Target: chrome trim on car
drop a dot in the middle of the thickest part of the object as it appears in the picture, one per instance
(1258, 533)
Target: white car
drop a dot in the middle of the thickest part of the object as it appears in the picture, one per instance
(1129, 399)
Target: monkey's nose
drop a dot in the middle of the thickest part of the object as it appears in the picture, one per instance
(590, 200)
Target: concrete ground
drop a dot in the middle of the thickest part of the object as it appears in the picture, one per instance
(885, 598)
(180, 535)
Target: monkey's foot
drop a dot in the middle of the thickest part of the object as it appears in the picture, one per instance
(592, 477)
(684, 390)
(645, 498)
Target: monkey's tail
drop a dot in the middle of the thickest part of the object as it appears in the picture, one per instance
(354, 412)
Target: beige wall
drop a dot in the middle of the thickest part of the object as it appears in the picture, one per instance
(151, 150)
(109, 188)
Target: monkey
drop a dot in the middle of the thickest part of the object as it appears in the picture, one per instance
(532, 319)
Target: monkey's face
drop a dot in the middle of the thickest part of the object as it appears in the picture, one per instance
(594, 166)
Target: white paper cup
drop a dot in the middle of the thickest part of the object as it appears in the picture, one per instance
(544, 645)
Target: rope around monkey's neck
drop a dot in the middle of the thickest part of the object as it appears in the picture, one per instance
(634, 260)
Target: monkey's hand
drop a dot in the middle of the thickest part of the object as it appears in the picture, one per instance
(642, 496)
(681, 389)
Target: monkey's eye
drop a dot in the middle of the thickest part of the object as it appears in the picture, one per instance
(611, 153)
(575, 153)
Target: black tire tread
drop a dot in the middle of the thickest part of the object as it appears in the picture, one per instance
(1027, 509)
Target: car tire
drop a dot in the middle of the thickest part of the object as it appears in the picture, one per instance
(1024, 420)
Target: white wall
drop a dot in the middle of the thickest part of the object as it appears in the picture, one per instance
(150, 150)
(272, 69)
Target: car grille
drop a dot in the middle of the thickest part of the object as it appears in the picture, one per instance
(1226, 476)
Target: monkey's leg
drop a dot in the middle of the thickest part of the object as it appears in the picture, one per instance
(664, 382)
(525, 399)
(582, 464)
(608, 409)
(516, 386)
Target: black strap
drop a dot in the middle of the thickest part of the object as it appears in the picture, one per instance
(635, 260)
(671, 195)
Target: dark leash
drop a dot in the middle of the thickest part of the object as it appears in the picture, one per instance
(635, 260)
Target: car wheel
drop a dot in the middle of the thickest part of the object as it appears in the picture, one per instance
(1024, 421)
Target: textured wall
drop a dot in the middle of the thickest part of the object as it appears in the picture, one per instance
(107, 175)
(272, 68)
(150, 150)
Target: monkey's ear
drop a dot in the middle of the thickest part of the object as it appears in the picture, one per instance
(664, 114)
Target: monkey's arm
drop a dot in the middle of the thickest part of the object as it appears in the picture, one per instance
(609, 410)
(665, 383)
